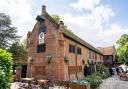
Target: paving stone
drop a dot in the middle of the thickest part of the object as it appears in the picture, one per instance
(114, 83)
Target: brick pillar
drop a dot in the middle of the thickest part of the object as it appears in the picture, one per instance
(61, 46)
(29, 67)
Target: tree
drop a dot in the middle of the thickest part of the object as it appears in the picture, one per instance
(5, 68)
(18, 51)
(122, 50)
(7, 31)
(57, 19)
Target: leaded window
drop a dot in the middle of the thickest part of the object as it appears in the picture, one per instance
(78, 50)
(71, 48)
(41, 48)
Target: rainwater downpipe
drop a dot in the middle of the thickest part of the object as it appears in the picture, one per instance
(76, 59)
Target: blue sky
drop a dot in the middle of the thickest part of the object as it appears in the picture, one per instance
(61, 6)
(99, 22)
(120, 7)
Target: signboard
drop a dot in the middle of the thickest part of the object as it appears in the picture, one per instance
(42, 32)
(41, 38)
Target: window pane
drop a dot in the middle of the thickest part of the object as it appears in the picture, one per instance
(71, 48)
(78, 50)
(41, 48)
(43, 29)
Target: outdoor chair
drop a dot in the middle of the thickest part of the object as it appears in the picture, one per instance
(35, 85)
(43, 84)
(26, 83)
(64, 84)
(23, 85)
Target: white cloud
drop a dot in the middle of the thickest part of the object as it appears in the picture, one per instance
(85, 4)
(111, 34)
(102, 12)
(91, 26)
(21, 13)
(92, 30)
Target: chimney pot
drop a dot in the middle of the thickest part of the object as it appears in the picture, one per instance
(43, 9)
(61, 22)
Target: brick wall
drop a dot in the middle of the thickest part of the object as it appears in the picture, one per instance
(39, 63)
(57, 47)
(85, 55)
(73, 58)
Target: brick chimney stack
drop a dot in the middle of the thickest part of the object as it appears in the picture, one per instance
(61, 33)
(61, 50)
(61, 27)
(43, 10)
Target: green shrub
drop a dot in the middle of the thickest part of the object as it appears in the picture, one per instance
(11, 78)
(5, 68)
(94, 81)
(102, 71)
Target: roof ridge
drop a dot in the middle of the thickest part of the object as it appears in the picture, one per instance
(52, 20)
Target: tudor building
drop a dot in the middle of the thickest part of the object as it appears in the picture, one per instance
(57, 54)
(109, 55)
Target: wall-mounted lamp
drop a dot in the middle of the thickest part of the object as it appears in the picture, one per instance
(49, 58)
(66, 59)
(90, 61)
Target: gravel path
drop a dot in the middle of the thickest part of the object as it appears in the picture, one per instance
(114, 83)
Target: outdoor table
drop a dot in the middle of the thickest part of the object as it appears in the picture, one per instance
(43, 82)
(27, 80)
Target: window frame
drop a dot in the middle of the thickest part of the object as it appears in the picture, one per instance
(71, 48)
(79, 50)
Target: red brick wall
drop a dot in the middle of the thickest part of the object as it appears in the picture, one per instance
(72, 59)
(57, 46)
(53, 70)
(85, 52)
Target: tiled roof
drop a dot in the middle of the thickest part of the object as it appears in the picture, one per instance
(107, 50)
